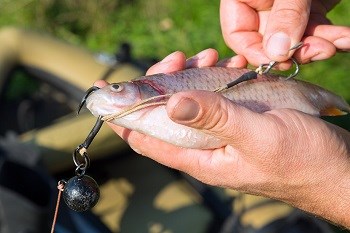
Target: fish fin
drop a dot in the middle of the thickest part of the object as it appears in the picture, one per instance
(332, 111)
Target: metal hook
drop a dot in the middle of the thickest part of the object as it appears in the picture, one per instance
(92, 133)
(268, 66)
(296, 72)
(265, 68)
(297, 46)
(82, 148)
(87, 93)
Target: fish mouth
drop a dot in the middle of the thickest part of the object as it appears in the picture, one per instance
(87, 94)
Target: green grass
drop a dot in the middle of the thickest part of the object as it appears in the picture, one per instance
(155, 29)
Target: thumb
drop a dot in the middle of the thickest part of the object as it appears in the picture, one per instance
(285, 27)
(217, 116)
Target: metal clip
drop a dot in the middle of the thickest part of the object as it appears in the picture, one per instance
(265, 68)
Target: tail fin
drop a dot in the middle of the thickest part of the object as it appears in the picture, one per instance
(332, 104)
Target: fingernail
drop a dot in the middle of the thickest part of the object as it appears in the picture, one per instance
(278, 45)
(342, 43)
(185, 110)
(168, 58)
(319, 56)
(136, 150)
(193, 61)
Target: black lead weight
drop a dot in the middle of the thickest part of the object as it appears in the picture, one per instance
(81, 193)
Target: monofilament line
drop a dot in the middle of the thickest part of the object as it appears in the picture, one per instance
(60, 187)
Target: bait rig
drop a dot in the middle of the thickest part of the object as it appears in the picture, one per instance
(82, 192)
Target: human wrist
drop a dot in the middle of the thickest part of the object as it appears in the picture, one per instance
(329, 199)
(344, 192)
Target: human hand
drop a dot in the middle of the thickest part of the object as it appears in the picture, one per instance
(283, 154)
(263, 30)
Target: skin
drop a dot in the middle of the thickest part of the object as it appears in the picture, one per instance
(282, 154)
(248, 27)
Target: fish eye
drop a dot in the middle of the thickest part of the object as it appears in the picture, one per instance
(116, 87)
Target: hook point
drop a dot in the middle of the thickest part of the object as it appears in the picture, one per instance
(87, 93)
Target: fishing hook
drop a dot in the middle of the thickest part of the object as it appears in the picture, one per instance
(87, 93)
(262, 69)
(92, 134)
(265, 68)
(296, 71)
(82, 148)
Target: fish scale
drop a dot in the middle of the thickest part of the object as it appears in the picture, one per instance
(265, 93)
(195, 79)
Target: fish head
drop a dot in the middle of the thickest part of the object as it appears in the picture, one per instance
(113, 98)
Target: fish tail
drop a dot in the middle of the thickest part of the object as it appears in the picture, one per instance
(333, 105)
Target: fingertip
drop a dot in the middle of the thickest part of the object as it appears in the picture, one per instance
(100, 83)
(189, 107)
(215, 115)
(183, 108)
(315, 49)
(205, 58)
(173, 62)
(343, 44)
(285, 28)
(173, 102)
(177, 55)
(277, 47)
(238, 61)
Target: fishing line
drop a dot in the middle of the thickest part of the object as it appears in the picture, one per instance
(138, 106)
(243, 78)
(81, 192)
(262, 69)
(60, 187)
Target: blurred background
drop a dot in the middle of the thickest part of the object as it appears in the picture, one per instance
(42, 41)
(154, 28)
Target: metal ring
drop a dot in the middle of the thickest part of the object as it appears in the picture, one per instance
(76, 161)
(267, 66)
(80, 170)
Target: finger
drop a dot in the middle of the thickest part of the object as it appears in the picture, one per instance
(205, 58)
(173, 62)
(209, 166)
(137, 142)
(338, 35)
(231, 12)
(219, 117)
(258, 5)
(237, 61)
(186, 160)
(249, 44)
(100, 83)
(314, 49)
(162, 152)
(285, 27)
(241, 33)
